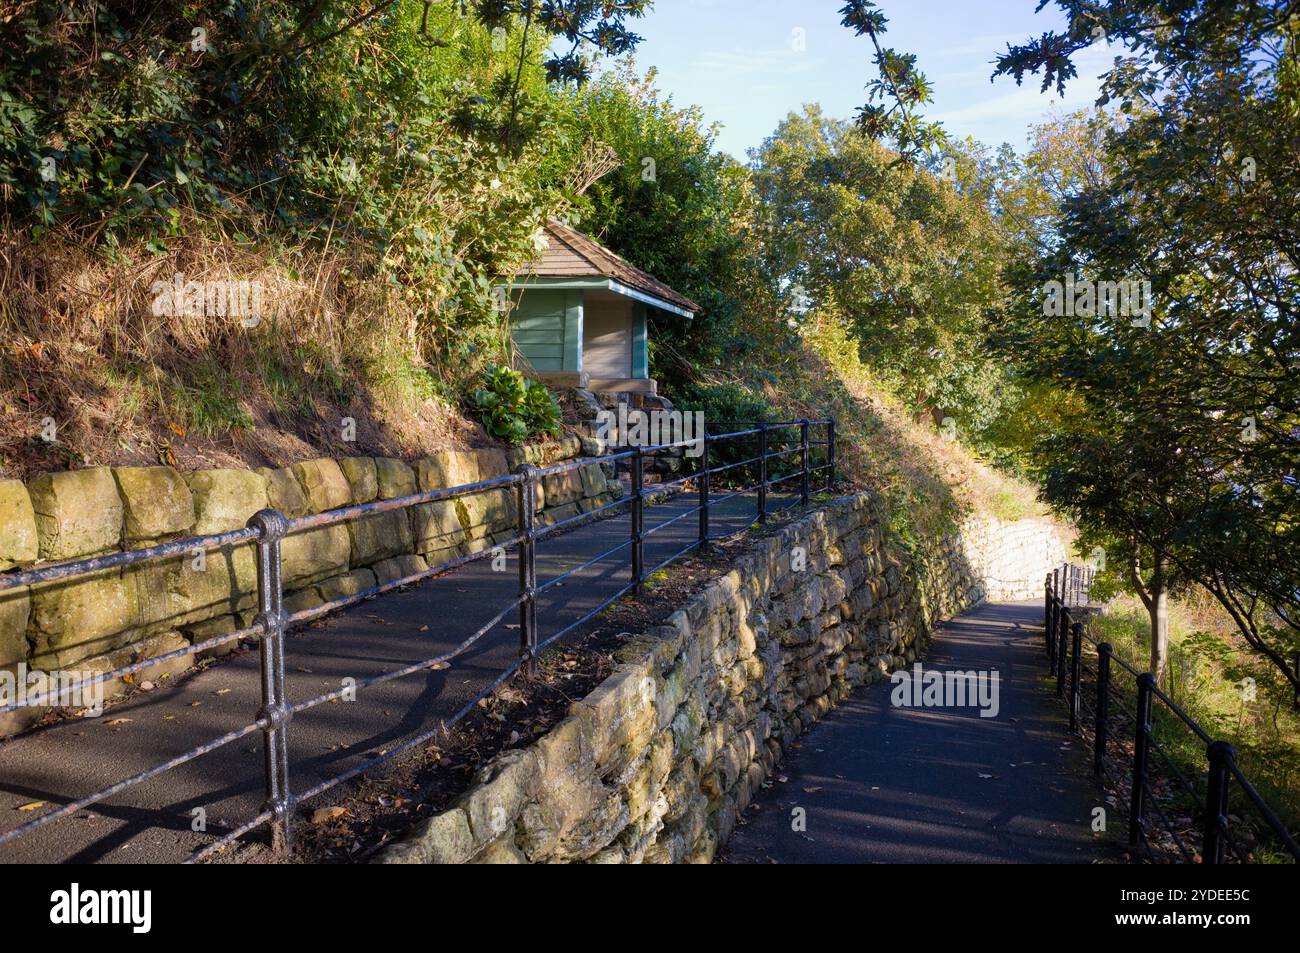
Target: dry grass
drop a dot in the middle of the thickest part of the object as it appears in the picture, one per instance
(84, 347)
(933, 483)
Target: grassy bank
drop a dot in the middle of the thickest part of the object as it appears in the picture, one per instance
(1211, 678)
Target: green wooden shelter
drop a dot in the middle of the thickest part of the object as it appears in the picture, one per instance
(580, 314)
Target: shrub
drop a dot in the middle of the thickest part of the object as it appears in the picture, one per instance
(514, 408)
(724, 404)
(728, 408)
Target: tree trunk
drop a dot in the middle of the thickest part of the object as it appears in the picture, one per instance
(1155, 596)
(1158, 610)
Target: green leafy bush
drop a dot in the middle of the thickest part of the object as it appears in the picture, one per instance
(514, 408)
(724, 403)
(723, 406)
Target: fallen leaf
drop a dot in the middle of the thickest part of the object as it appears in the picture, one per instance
(117, 721)
(325, 814)
(34, 806)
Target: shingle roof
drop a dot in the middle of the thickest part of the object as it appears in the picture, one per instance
(571, 254)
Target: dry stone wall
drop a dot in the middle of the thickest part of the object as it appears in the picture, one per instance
(657, 762)
(114, 618)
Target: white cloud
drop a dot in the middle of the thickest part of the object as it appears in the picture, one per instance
(751, 62)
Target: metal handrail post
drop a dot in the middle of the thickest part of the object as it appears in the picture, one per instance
(806, 457)
(1076, 664)
(1141, 753)
(275, 714)
(1102, 729)
(704, 493)
(1220, 755)
(1062, 645)
(830, 453)
(638, 521)
(527, 498)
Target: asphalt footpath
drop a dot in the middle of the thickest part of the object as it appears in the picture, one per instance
(152, 821)
(876, 783)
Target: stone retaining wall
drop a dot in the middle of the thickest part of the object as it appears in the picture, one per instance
(656, 763)
(114, 618)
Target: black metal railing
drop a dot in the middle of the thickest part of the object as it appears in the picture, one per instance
(267, 529)
(1095, 684)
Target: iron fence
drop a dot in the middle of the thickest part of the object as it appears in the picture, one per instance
(267, 529)
(1094, 682)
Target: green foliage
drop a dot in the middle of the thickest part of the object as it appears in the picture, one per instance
(514, 408)
(674, 207)
(728, 408)
(724, 404)
(899, 82)
(912, 263)
(1183, 438)
(1206, 677)
(412, 134)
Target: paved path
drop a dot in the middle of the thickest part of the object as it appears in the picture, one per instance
(882, 784)
(151, 821)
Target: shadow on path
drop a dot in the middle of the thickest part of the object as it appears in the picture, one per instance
(885, 784)
(152, 821)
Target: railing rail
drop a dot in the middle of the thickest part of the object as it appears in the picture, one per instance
(1067, 594)
(267, 529)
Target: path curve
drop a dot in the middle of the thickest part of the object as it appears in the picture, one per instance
(885, 784)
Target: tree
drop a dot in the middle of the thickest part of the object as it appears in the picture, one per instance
(676, 207)
(1199, 200)
(899, 83)
(911, 263)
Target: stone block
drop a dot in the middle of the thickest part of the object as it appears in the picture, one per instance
(446, 469)
(500, 851)
(302, 600)
(622, 714)
(348, 584)
(225, 499)
(593, 480)
(502, 788)
(487, 511)
(324, 483)
(562, 488)
(78, 512)
(399, 567)
(156, 501)
(442, 839)
(73, 620)
(285, 493)
(15, 610)
(437, 526)
(362, 476)
(19, 543)
(176, 592)
(380, 536)
(394, 478)
(315, 554)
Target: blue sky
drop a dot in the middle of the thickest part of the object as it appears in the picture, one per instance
(737, 60)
